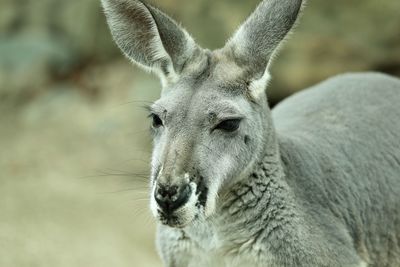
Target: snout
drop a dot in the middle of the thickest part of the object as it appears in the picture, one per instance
(171, 197)
(179, 201)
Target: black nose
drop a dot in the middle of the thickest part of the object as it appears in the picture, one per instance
(170, 198)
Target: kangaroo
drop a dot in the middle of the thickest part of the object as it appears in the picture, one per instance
(313, 182)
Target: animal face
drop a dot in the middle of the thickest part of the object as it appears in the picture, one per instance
(207, 131)
(212, 120)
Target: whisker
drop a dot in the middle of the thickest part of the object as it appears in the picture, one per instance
(141, 199)
(135, 190)
(146, 102)
(137, 132)
(145, 212)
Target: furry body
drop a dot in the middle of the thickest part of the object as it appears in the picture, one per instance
(327, 195)
(313, 183)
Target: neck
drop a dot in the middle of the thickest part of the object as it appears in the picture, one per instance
(262, 200)
(266, 180)
(265, 170)
(254, 210)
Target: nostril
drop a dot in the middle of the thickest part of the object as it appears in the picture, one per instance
(173, 190)
(166, 191)
(183, 196)
(161, 192)
(170, 198)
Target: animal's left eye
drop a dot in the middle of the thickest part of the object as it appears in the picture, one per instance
(157, 122)
(230, 125)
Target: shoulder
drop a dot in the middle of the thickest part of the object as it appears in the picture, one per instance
(345, 94)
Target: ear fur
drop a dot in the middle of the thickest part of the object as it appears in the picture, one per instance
(253, 45)
(149, 37)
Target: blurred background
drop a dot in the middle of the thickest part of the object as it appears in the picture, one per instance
(74, 147)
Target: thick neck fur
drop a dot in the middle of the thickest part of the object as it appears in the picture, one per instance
(263, 200)
(259, 221)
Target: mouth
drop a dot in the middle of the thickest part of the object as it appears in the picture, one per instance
(188, 212)
(202, 193)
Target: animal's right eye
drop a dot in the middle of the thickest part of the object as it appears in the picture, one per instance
(157, 122)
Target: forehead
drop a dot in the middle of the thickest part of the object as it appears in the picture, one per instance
(189, 99)
(215, 87)
(207, 96)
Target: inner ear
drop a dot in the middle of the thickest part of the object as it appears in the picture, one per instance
(150, 38)
(176, 41)
(253, 45)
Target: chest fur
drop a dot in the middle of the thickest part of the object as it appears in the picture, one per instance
(206, 245)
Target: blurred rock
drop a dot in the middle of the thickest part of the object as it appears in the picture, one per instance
(49, 39)
(27, 62)
(79, 24)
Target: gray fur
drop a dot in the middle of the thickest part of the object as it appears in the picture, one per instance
(314, 182)
(254, 43)
(149, 37)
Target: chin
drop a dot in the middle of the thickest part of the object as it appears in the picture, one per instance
(178, 221)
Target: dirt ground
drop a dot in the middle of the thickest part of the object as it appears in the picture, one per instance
(73, 174)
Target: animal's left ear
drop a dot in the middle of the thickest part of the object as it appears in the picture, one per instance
(255, 42)
(150, 38)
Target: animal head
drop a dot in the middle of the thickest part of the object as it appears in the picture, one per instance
(212, 121)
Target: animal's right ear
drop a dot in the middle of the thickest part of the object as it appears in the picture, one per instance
(149, 37)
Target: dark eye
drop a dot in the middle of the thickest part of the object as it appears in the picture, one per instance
(157, 122)
(229, 125)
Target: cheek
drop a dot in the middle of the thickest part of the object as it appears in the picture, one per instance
(227, 166)
(155, 156)
(155, 161)
(227, 157)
